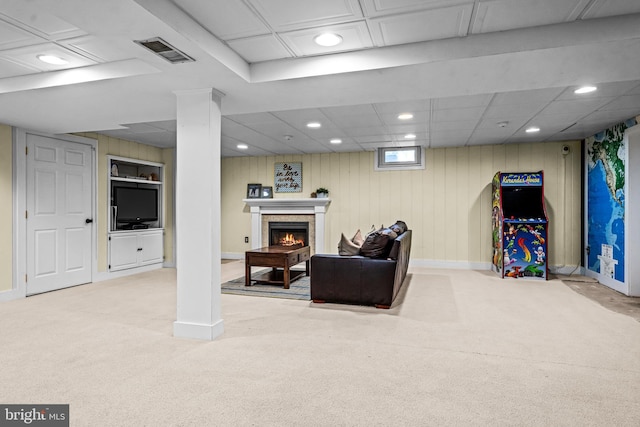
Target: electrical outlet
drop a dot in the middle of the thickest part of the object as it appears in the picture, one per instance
(246, 239)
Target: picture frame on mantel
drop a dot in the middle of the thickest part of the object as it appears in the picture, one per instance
(254, 191)
(288, 177)
(267, 192)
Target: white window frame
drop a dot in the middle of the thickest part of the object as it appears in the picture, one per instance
(381, 165)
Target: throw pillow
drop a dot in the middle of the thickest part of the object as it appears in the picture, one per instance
(376, 245)
(357, 238)
(346, 247)
(390, 232)
(399, 227)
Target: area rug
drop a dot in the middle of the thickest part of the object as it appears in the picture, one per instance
(298, 289)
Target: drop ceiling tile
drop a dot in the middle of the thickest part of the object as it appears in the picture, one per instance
(421, 26)
(419, 118)
(349, 110)
(260, 48)
(103, 49)
(627, 102)
(361, 134)
(356, 121)
(514, 123)
(11, 69)
(367, 139)
(43, 24)
(539, 97)
(604, 8)
(500, 15)
(415, 107)
(27, 56)
(574, 107)
(385, 7)
(408, 128)
(299, 118)
(284, 15)
(12, 36)
(453, 125)
(224, 18)
(355, 36)
(461, 102)
(604, 90)
(455, 115)
(249, 118)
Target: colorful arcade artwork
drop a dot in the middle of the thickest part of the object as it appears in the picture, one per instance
(520, 225)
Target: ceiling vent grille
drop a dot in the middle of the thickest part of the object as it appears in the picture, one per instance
(165, 50)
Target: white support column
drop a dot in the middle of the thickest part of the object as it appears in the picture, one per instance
(320, 212)
(198, 215)
(256, 227)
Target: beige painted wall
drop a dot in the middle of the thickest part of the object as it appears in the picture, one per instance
(120, 147)
(6, 208)
(447, 205)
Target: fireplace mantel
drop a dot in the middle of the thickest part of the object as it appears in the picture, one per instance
(259, 207)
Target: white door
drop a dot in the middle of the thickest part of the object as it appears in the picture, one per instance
(59, 214)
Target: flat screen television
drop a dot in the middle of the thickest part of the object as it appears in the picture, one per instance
(135, 205)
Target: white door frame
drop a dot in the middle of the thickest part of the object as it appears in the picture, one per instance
(20, 206)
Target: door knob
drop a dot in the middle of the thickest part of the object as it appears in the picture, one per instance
(88, 220)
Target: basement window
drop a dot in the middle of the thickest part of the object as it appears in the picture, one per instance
(399, 158)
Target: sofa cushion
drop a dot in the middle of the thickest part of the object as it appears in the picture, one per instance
(399, 227)
(357, 239)
(347, 247)
(376, 245)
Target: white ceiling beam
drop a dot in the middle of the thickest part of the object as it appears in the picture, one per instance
(90, 73)
(593, 31)
(169, 13)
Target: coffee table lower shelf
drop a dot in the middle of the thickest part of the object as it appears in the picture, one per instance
(276, 276)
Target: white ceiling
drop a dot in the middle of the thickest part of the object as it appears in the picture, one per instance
(460, 66)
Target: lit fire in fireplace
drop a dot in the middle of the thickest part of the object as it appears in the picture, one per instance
(290, 240)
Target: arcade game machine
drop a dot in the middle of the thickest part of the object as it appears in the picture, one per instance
(520, 225)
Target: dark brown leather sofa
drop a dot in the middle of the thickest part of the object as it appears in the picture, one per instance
(358, 279)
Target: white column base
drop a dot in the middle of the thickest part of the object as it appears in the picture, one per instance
(198, 331)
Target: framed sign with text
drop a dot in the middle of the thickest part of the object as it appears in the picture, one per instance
(288, 177)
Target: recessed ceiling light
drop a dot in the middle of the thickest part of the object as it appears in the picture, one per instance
(335, 141)
(405, 116)
(314, 125)
(503, 124)
(410, 136)
(242, 146)
(53, 60)
(585, 89)
(328, 39)
(532, 129)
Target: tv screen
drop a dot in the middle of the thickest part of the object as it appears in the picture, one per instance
(136, 204)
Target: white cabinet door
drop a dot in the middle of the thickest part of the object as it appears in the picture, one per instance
(123, 251)
(135, 249)
(152, 250)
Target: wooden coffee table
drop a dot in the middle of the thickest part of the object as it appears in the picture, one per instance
(277, 257)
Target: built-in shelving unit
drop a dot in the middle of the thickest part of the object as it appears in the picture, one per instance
(135, 207)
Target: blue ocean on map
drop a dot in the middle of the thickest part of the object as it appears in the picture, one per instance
(606, 221)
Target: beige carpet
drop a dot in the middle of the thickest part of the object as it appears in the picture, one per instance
(459, 348)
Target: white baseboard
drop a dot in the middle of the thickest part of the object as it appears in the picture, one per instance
(11, 295)
(232, 255)
(106, 275)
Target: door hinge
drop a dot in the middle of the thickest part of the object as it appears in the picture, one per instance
(26, 151)
(26, 278)
(26, 214)
(109, 266)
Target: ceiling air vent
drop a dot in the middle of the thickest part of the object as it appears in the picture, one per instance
(165, 50)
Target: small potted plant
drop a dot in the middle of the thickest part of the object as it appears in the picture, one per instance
(322, 193)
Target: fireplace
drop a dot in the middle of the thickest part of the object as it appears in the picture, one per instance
(288, 233)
